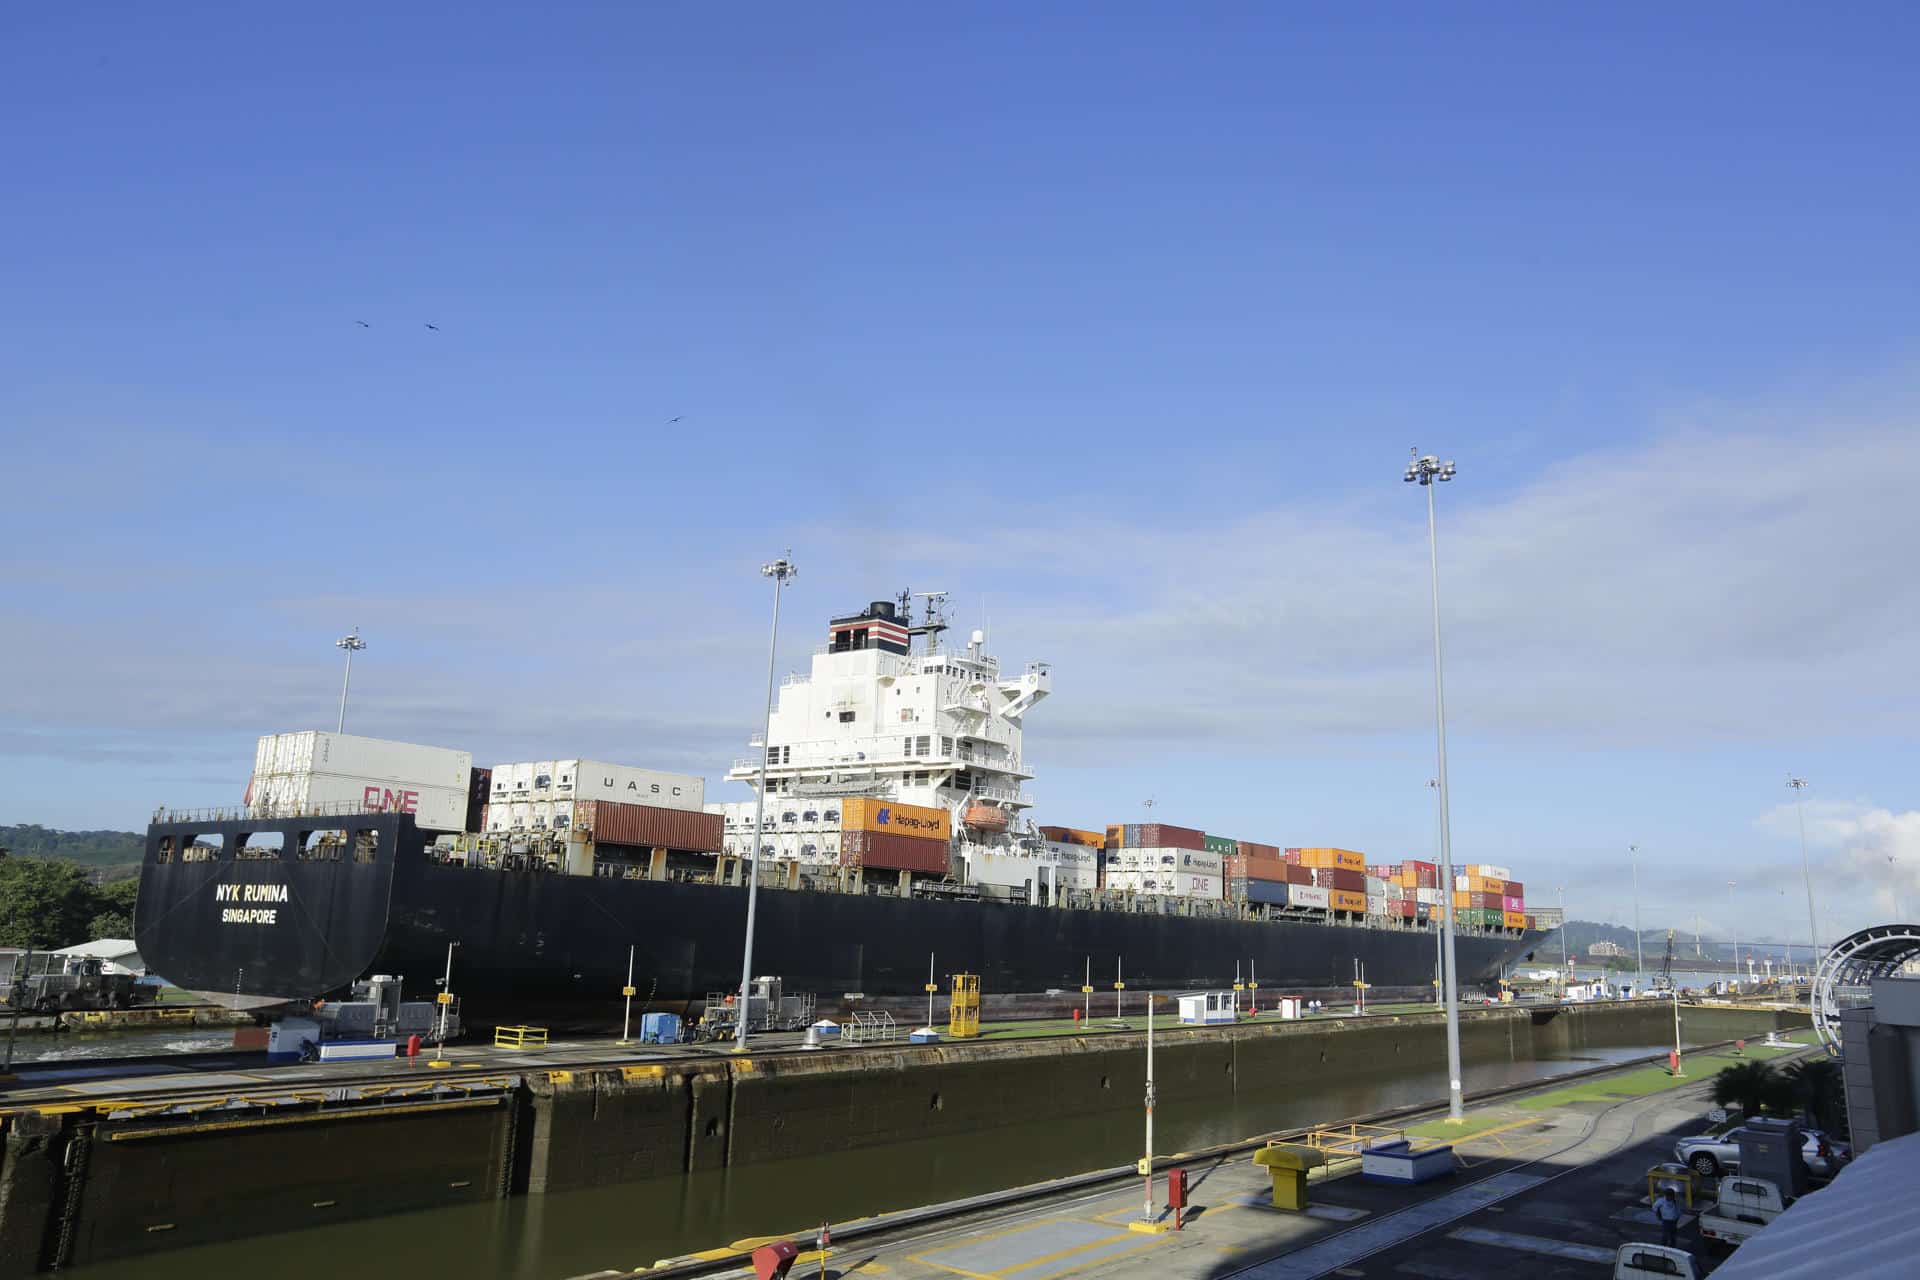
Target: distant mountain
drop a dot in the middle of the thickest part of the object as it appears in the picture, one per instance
(107, 851)
(1582, 934)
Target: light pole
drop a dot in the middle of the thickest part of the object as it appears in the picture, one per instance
(1425, 472)
(1799, 786)
(1733, 916)
(1639, 958)
(781, 571)
(1566, 961)
(1446, 891)
(353, 644)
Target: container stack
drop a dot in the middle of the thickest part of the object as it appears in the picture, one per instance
(615, 826)
(887, 836)
(319, 773)
(1256, 873)
(1484, 896)
(541, 795)
(1342, 873)
(1162, 859)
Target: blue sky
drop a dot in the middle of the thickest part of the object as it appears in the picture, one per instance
(1115, 324)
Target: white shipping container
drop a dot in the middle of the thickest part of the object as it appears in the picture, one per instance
(317, 751)
(1430, 897)
(1489, 870)
(1200, 862)
(294, 794)
(595, 780)
(1376, 887)
(1187, 884)
(1306, 895)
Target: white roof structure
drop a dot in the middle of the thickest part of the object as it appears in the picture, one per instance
(119, 954)
(1860, 1225)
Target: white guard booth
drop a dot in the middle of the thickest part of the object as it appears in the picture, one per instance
(1206, 1007)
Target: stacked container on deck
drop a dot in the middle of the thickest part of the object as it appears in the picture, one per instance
(1341, 872)
(1487, 897)
(885, 835)
(1162, 859)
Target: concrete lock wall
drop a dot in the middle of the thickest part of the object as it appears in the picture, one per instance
(76, 1188)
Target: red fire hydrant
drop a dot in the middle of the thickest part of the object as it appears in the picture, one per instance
(1076, 1019)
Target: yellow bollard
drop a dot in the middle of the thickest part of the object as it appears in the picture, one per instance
(1287, 1164)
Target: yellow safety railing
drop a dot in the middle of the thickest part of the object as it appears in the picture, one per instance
(1341, 1140)
(519, 1037)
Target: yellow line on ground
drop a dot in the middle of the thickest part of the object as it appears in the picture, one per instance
(1062, 1253)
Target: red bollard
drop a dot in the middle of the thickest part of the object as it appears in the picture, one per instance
(1673, 1062)
(413, 1046)
(1177, 1194)
(1740, 1048)
(1076, 1019)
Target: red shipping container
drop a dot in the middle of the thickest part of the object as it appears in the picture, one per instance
(1248, 849)
(1290, 855)
(895, 851)
(1340, 879)
(1515, 889)
(1426, 874)
(1244, 868)
(1161, 835)
(1402, 907)
(1297, 874)
(647, 826)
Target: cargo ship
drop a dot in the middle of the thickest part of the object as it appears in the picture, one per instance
(894, 833)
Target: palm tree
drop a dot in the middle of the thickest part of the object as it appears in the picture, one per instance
(1820, 1093)
(1750, 1086)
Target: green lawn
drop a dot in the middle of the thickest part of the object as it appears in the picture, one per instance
(1474, 1123)
(1645, 1080)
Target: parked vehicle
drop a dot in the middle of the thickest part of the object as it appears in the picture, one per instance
(1743, 1206)
(1711, 1155)
(61, 982)
(1647, 1261)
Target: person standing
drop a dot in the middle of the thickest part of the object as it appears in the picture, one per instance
(1667, 1209)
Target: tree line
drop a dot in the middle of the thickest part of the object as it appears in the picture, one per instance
(47, 904)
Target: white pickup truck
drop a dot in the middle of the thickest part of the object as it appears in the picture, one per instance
(1654, 1262)
(1744, 1205)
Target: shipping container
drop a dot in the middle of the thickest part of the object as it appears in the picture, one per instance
(1427, 897)
(1511, 903)
(1306, 895)
(1490, 871)
(1270, 893)
(1343, 858)
(1271, 870)
(1514, 919)
(597, 780)
(1397, 892)
(1300, 875)
(1163, 835)
(292, 795)
(1222, 846)
(1248, 849)
(1376, 886)
(315, 772)
(1201, 862)
(1188, 884)
(1343, 879)
(892, 851)
(1341, 900)
(1515, 889)
(648, 826)
(1426, 875)
(1116, 836)
(1073, 835)
(1291, 856)
(1381, 871)
(1401, 907)
(891, 817)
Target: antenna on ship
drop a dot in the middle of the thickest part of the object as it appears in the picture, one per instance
(933, 616)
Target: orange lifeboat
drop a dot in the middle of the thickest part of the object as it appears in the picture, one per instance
(985, 817)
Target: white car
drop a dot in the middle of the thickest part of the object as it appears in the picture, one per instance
(1711, 1155)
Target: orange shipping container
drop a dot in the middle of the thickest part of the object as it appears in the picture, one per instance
(1515, 919)
(1073, 835)
(1341, 900)
(1345, 859)
(1115, 834)
(888, 817)
(1244, 868)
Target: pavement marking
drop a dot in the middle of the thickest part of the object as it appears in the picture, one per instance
(1533, 1244)
(1384, 1232)
(1327, 1212)
(1034, 1251)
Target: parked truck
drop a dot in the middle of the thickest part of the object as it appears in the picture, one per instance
(56, 983)
(1742, 1207)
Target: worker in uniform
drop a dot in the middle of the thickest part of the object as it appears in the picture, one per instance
(1667, 1209)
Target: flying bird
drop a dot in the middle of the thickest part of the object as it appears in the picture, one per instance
(363, 324)
(671, 421)
(434, 327)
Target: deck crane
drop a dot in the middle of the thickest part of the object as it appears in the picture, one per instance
(1663, 981)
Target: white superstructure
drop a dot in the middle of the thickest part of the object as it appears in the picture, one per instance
(878, 716)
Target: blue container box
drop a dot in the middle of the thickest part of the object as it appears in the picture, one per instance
(659, 1028)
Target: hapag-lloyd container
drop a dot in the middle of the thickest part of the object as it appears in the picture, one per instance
(647, 826)
(1345, 901)
(890, 817)
(316, 772)
(1306, 895)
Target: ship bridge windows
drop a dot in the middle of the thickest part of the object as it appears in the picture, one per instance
(846, 717)
(261, 845)
(323, 846)
(203, 849)
(366, 845)
(165, 852)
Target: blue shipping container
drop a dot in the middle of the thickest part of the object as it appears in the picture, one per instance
(1272, 893)
(659, 1028)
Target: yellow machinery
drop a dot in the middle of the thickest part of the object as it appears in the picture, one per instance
(963, 1008)
(1287, 1163)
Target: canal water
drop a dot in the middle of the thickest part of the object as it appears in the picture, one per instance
(636, 1224)
(81, 1046)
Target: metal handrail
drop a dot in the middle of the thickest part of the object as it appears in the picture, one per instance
(267, 813)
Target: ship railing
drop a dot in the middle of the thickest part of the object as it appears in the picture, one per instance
(266, 812)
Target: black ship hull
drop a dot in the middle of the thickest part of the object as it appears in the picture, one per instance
(553, 948)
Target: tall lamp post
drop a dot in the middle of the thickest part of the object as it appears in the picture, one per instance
(1639, 959)
(1799, 786)
(1734, 918)
(781, 571)
(353, 644)
(1566, 961)
(1426, 471)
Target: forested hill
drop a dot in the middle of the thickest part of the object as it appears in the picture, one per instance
(103, 849)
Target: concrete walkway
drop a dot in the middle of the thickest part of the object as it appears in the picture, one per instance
(1545, 1191)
